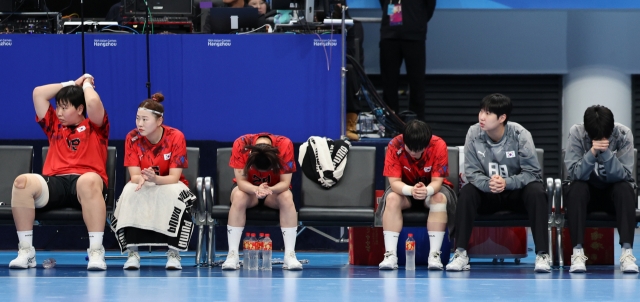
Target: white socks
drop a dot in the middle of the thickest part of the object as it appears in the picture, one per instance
(391, 241)
(462, 251)
(234, 234)
(435, 241)
(289, 237)
(578, 251)
(95, 240)
(25, 238)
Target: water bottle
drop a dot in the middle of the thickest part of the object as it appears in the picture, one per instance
(266, 252)
(245, 250)
(49, 263)
(260, 243)
(410, 252)
(253, 252)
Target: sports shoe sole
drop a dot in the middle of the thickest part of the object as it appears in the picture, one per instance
(387, 268)
(542, 270)
(578, 270)
(435, 268)
(131, 268)
(97, 268)
(464, 268)
(292, 269)
(227, 268)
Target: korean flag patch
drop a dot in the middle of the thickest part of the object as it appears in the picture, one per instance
(427, 169)
(167, 156)
(511, 154)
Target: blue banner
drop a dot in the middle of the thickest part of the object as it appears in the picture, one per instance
(216, 87)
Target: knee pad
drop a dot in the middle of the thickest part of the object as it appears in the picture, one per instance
(437, 207)
(31, 185)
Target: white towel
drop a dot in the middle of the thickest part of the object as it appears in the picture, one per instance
(157, 208)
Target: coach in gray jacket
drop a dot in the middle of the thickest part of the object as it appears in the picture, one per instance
(502, 167)
(599, 161)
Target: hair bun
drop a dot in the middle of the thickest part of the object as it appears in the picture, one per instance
(158, 97)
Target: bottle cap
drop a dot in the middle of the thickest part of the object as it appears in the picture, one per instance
(266, 235)
(410, 235)
(261, 234)
(253, 234)
(248, 234)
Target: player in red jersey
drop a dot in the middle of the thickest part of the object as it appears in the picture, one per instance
(75, 167)
(416, 164)
(155, 155)
(263, 165)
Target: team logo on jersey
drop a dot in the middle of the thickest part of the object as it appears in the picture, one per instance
(167, 156)
(481, 153)
(73, 143)
(81, 128)
(407, 168)
(399, 151)
(427, 169)
(511, 154)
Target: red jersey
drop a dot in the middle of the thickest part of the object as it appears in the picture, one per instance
(433, 163)
(169, 152)
(75, 150)
(240, 154)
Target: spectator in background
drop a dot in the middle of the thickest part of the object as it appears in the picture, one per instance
(261, 5)
(403, 35)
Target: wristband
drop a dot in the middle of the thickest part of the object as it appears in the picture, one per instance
(406, 190)
(68, 83)
(86, 85)
(430, 191)
(87, 76)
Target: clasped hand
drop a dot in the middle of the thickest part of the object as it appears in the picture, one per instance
(147, 174)
(263, 190)
(419, 191)
(497, 184)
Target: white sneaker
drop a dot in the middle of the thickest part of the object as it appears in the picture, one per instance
(291, 262)
(628, 262)
(173, 260)
(543, 263)
(133, 261)
(434, 261)
(26, 258)
(96, 259)
(390, 261)
(459, 262)
(578, 263)
(232, 262)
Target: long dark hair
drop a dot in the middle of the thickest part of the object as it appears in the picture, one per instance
(263, 157)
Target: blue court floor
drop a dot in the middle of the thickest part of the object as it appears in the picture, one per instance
(327, 277)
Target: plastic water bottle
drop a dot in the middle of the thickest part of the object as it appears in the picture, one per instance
(245, 250)
(260, 243)
(253, 252)
(266, 252)
(410, 252)
(49, 263)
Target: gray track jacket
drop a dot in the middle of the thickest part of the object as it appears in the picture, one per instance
(613, 165)
(514, 158)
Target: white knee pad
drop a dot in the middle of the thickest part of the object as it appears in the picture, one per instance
(437, 207)
(42, 201)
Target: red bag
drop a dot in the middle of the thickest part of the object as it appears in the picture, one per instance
(366, 244)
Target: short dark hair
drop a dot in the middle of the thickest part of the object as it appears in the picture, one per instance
(598, 122)
(263, 157)
(72, 95)
(416, 135)
(497, 103)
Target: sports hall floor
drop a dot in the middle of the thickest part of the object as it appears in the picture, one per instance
(327, 277)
